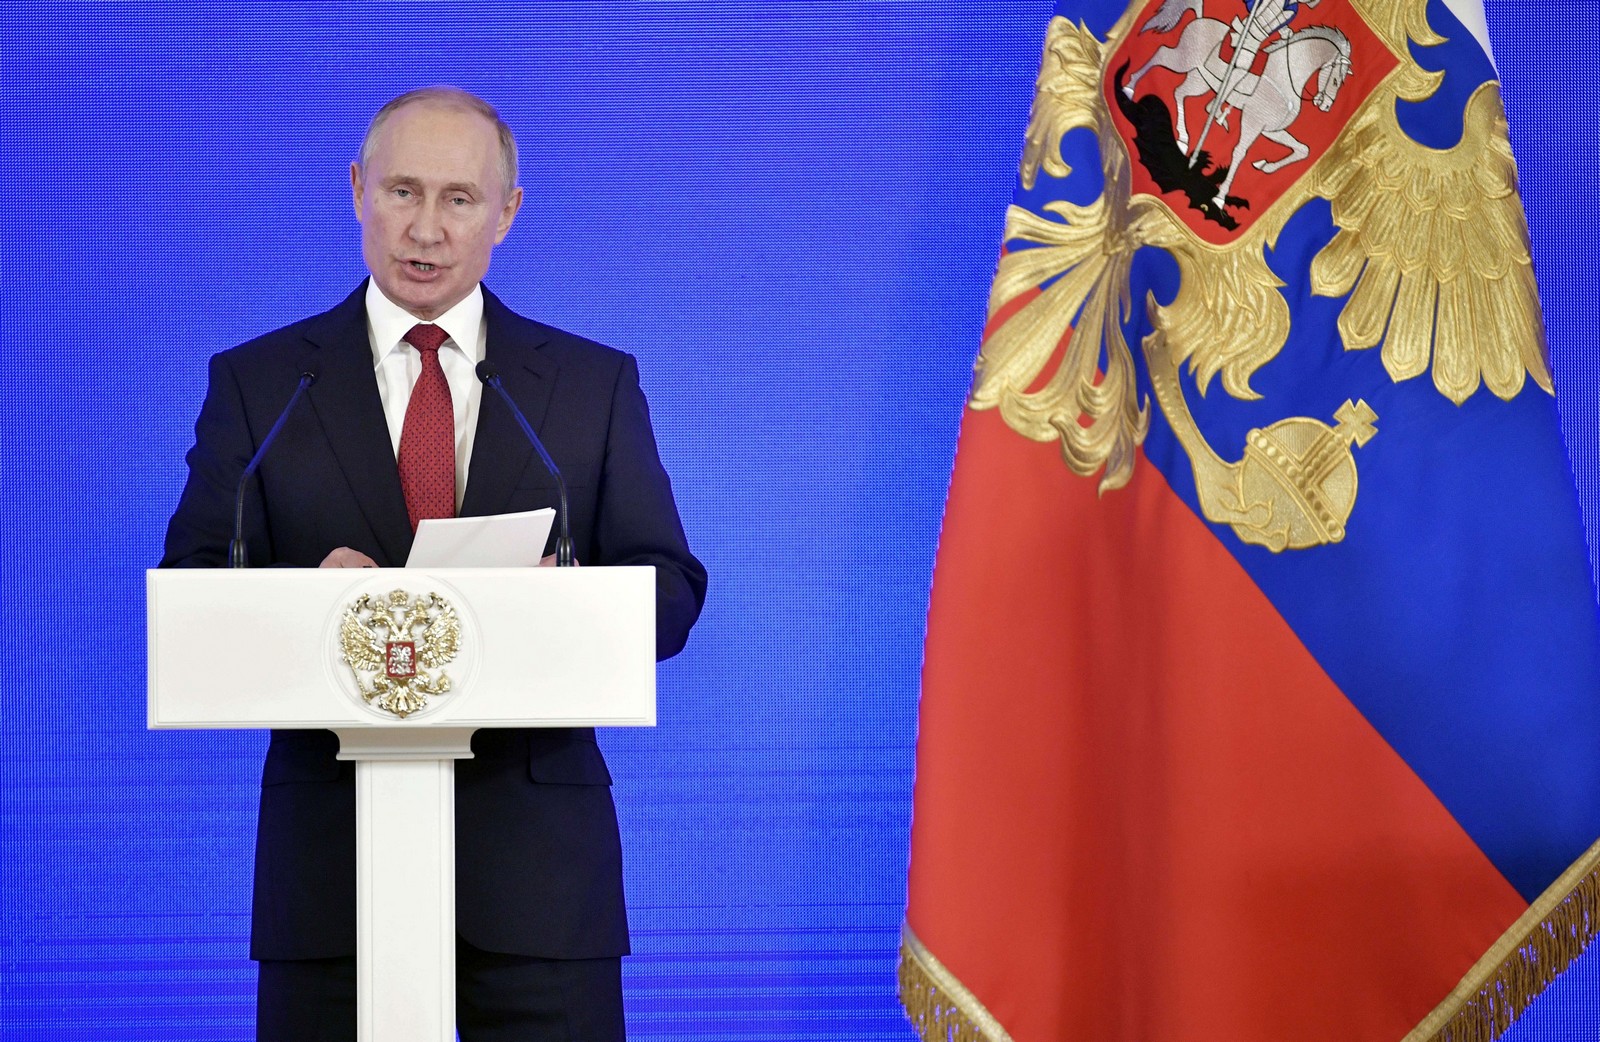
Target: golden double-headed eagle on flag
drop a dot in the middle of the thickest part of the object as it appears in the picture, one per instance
(1214, 128)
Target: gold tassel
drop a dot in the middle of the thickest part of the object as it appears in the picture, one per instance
(1542, 943)
(938, 1006)
(1552, 933)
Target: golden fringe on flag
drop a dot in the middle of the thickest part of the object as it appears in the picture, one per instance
(1552, 933)
(937, 1004)
(1499, 988)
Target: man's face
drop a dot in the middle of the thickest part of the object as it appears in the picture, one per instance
(432, 205)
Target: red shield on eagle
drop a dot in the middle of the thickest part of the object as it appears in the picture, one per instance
(399, 659)
(1224, 105)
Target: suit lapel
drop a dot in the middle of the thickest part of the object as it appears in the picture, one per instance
(347, 405)
(500, 452)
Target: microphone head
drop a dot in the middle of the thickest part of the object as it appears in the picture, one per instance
(487, 373)
(310, 369)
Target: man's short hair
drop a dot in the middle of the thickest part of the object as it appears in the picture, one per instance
(460, 99)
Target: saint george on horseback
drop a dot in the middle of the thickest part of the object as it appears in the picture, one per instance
(1265, 17)
(1268, 102)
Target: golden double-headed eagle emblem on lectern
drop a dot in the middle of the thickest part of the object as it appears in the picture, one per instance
(397, 646)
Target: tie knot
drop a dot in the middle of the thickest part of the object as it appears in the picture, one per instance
(426, 337)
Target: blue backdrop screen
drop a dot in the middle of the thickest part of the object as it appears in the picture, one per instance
(788, 212)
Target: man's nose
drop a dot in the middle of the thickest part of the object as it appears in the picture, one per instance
(427, 228)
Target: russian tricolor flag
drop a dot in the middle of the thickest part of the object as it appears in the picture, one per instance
(1262, 686)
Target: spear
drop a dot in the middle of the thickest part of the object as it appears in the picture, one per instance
(1227, 82)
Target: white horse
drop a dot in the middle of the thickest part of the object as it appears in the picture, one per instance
(1268, 103)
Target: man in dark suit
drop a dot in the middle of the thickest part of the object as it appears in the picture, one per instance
(392, 432)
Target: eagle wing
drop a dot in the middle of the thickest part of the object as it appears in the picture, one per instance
(442, 639)
(1433, 249)
(360, 645)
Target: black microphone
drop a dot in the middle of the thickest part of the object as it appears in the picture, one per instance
(237, 557)
(491, 378)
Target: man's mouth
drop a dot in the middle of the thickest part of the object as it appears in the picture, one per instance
(420, 266)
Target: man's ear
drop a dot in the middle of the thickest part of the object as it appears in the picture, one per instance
(355, 187)
(508, 213)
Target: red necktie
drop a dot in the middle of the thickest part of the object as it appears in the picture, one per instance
(428, 438)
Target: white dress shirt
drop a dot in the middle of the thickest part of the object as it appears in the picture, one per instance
(398, 365)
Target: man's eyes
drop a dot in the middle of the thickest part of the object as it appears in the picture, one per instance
(453, 200)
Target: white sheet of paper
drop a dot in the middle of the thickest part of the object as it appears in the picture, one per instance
(496, 541)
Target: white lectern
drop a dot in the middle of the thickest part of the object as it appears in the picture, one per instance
(404, 665)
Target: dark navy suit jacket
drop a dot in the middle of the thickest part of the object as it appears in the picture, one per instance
(538, 860)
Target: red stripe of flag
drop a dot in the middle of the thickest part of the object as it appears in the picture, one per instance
(1143, 812)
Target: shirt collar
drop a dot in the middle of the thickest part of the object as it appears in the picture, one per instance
(387, 322)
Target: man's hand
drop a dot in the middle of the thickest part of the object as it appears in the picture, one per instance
(344, 557)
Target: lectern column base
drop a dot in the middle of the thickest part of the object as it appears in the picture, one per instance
(405, 882)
